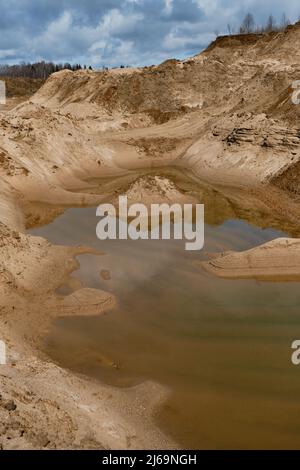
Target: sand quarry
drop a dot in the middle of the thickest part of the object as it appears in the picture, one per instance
(224, 116)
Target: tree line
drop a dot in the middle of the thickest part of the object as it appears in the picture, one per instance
(249, 25)
(41, 70)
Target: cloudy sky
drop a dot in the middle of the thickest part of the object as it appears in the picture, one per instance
(114, 32)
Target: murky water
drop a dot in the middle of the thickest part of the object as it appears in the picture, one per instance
(222, 347)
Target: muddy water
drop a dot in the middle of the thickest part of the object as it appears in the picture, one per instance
(221, 347)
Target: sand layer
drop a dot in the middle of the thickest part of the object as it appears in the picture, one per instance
(274, 261)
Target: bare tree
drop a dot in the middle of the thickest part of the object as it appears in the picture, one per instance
(248, 24)
(271, 24)
(229, 29)
(284, 21)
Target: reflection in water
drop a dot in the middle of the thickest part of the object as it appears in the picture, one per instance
(221, 346)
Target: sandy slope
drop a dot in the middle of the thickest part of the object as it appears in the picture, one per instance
(277, 260)
(225, 116)
(42, 406)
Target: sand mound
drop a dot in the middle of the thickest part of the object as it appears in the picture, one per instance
(276, 260)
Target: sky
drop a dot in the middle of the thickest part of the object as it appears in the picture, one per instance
(128, 32)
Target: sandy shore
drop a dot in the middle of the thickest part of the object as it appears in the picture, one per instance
(277, 260)
(41, 405)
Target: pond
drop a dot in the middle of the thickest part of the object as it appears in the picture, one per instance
(221, 347)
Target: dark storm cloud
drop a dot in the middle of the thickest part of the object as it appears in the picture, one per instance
(111, 32)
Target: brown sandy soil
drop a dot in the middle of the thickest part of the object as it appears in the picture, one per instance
(224, 116)
(274, 261)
